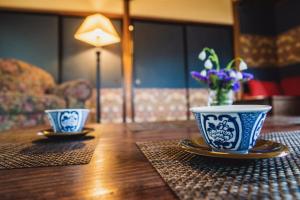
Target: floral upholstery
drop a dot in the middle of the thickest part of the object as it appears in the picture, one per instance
(18, 103)
(24, 78)
(22, 120)
(26, 91)
(75, 93)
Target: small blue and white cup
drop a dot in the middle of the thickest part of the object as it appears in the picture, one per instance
(231, 129)
(67, 120)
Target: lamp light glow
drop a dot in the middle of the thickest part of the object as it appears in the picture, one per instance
(97, 30)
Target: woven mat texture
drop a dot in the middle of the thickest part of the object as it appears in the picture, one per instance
(197, 177)
(45, 152)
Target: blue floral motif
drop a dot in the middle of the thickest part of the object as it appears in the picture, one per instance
(69, 121)
(222, 131)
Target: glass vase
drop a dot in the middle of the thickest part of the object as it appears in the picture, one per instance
(220, 97)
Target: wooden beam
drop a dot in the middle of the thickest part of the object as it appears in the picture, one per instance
(112, 16)
(127, 64)
(178, 21)
(61, 13)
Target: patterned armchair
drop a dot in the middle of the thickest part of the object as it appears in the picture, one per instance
(26, 91)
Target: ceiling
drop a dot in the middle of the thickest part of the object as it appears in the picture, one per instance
(213, 11)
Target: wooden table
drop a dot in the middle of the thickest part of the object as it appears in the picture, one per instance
(118, 169)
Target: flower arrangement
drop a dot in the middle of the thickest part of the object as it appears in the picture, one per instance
(222, 82)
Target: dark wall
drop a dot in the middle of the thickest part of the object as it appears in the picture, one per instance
(32, 38)
(158, 55)
(257, 17)
(217, 37)
(268, 17)
(287, 15)
(161, 50)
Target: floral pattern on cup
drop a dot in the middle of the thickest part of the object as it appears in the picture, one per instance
(69, 121)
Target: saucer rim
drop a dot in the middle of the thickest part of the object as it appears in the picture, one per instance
(50, 132)
(283, 151)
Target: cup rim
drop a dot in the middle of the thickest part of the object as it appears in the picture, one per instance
(67, 109)
(231, 108)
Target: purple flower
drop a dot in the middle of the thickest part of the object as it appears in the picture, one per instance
(222, 75)
(247, 76)
(212, 71)
(225, 76)
(236, 86)
(228, 79)
(198, 76)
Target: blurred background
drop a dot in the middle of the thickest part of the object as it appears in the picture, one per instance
(146, 76)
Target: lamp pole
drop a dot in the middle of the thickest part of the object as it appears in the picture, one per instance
(95, 30)
(98, 86)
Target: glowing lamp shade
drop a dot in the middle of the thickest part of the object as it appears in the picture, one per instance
(97, 30)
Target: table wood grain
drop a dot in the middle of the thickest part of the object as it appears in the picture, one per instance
(118, 170)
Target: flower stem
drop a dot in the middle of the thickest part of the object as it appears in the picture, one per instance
(222, 97)
(229, 65)
(214, 57)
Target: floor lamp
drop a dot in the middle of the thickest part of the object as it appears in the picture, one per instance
(98, 31)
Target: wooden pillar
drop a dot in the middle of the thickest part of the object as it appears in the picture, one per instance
(236, 38)
(127, 64)
(236, 28)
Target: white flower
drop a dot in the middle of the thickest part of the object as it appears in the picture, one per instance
(202, 55)
(203, 73)
(243, 65)
(239, 75)
(208, 64)
(232, 74)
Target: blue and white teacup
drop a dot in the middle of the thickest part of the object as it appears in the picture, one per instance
(67, 120)
(232, 129)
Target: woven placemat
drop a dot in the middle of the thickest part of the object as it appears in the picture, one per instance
(47, 152)
(197, 177)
